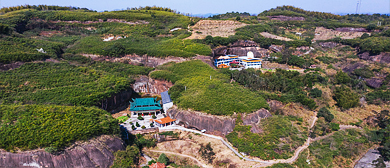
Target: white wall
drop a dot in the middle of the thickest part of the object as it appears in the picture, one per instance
(166, 106)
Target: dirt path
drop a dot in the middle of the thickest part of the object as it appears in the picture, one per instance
(183, 155)
(262, 163)
(269, 35)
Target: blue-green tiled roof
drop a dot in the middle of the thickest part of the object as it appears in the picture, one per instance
(145, 104)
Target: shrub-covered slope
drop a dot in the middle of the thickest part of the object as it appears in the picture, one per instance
(39, 126)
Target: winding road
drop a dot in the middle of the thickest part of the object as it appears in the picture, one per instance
(262, 163)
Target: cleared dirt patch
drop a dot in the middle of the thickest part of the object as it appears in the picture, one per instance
(222, 28)
(224, 156)
(322, 33)
(269, 35)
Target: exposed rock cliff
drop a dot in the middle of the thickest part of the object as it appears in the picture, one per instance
(116, 100)
(241, 48)
(219, 125)
(253, 119)
(145, 84)
(212, 124)
(97, 152)
(383, 58)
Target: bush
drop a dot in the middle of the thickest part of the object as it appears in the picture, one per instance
(154, 116)
(334, 126)
(151, 124)
(324, 112)
(315, 93)
(345, 97)
(143, 127)
(133, 127)
(163, 159)
(342, 78)
(207, 152)
(140, 117)
(127, 158)
(137, 124)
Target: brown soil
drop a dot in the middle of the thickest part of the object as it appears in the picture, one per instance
(326, 34)
(191, 147)
(222, 28)
(269, 35)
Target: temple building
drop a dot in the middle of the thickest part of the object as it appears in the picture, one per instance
(166, 100)
(162, 122)
(145, 106)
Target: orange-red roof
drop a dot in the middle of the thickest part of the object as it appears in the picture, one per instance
(157, 165)
(165, 120)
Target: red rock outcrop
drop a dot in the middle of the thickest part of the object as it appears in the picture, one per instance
(97, 152)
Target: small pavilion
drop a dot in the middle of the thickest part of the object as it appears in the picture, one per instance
(164, 121)
(145, 106)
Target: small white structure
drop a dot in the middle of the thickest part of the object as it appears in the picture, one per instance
(166, 100)
(41, 51)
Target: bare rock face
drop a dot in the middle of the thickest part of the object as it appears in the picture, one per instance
(116, 100)
(241, 48)
(351, 29)
(275, 105)
(5, 67)
(383, 58)
(286, 18)
(328, 44)
(351, 68)
(145, 84)
(212, 124)
(255, 117)
(374, 82)
(97, 152)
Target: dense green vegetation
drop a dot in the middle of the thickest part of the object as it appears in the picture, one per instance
(378, 97)
(23, 49)
(347, 144)
(200, 87)
(290, 83)
(64, 84)
(345, 97)
(278, 141)
(32, 126)
(140, 45)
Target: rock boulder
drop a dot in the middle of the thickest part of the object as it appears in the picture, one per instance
(97, 152)
(218, 125)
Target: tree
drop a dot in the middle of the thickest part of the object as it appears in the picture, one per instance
(315, 93)
(163, 159)
(133, 127)
(207, 153)
(128, 158)
(137, 124)
(209, 39)
(345, 97)
(342, 78)
(324, 112)
(238, 18)
(371, 27)
(364, 36)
